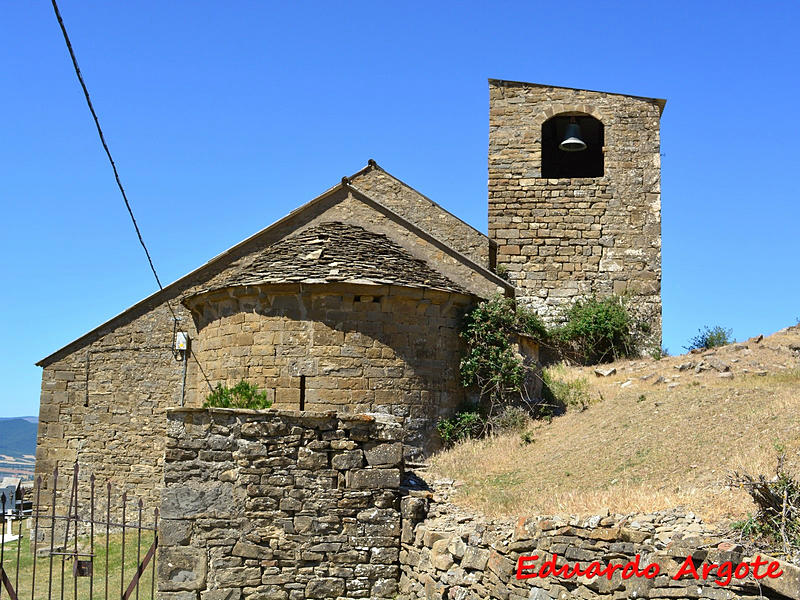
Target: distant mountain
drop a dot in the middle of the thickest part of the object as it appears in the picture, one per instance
(17, 436)
(33, 419)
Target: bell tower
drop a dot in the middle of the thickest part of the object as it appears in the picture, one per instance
(575, 196)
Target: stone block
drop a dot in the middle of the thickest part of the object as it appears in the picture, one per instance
(475, 558)
(181, 568)
(373, 479)
(192, 500)
(440, 556)
(385, 454)
(222, 594)
(351, 459)
(325, 587)
(174, 532)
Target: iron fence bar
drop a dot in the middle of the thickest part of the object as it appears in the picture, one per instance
(35, 535)
(108, 520)
(122, 567)
(155, 546)
(75, 543)
(4, 582)
(134, 584)
(52, 535)
(3, 538)
(72, 491)
(91, 537)
(139, 546)
(19, 535)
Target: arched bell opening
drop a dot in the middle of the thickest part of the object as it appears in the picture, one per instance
(572, 146)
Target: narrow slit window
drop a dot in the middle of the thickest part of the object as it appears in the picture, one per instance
(302, 392)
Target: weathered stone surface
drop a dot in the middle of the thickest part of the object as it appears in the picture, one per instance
(181, 568)
(431, 566)
(175, 532)
(229, 594)
(325, 588)
(373, 478)
(294, 529)
(192, 500)
(440, 555)
(348, 460)
(568, 238)
(475, 558)
(385, 454)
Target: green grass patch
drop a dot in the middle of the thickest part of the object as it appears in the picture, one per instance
(102, 561)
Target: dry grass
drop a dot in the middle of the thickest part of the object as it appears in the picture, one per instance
(645, 447)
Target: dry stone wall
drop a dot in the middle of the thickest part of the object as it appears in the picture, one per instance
(280, 505)
(562, 239)
(449, 553)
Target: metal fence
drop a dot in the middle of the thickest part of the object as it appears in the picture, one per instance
(78, 550)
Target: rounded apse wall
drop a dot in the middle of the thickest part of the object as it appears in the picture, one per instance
(350, 348)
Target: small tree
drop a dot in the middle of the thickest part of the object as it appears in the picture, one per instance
(242, 395)
(598, 330)
(491, 365)
(710, 337)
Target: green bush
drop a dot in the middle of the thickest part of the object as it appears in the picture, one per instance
(461, 426)
(242, 395)
(598, 330)
(711, 337)
(560, 394)
(512, 418)
(490, 364)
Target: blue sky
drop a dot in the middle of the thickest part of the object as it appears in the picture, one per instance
(224, 117)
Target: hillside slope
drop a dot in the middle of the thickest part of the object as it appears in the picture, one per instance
(657, 434)
(17, 437)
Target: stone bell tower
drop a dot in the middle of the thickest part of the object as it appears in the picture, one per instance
(575, 196)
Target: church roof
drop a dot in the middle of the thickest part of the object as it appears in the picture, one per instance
(335, 252)
(388, 188)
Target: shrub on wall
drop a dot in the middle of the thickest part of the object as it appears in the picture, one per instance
(598, 330)
(491, 364)
(242, 395)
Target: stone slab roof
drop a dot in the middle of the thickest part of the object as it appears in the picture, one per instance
(423, 212)
(335, 252)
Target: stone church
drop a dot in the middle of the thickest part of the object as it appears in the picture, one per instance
(353, 301)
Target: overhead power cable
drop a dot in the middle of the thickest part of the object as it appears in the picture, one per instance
(114, 166)
(105, 145)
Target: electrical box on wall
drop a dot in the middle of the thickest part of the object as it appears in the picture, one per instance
(181, 340)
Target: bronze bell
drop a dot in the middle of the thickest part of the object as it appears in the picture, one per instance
(572, 141)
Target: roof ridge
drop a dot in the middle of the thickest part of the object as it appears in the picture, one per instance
(475, 266)
(372, 164)
(157, 297)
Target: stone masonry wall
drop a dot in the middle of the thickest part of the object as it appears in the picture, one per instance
(280, 505)
(361, 348)
(562, 239)
(449, 553)
(104, 404)
(109, 410)
(424, 212)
